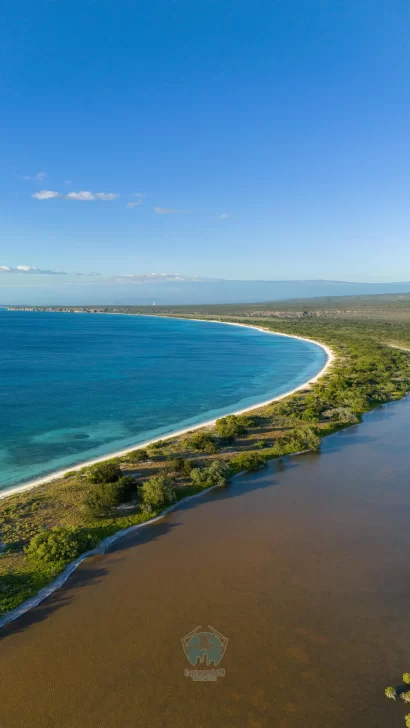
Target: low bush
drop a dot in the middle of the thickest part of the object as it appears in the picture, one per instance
(341, 414)
(249, 461)
(127, 488)
(107, 472)
(260, 445)
(102, 499)
(181, 465)
(58, 546)
(216, 473)
(157, 445)
(138, 456)
(203, 442)
(230, 427)
(105, 496)
(158, 491)
(302, 439)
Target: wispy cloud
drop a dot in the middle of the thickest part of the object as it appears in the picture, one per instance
(224, 216)
(37, 177)
(87, 196)
(84, 195)
(136, 203)
(45, 195)
(106, 196)
(30, 269)
(167, 211)
(67, 182)
(153, 278)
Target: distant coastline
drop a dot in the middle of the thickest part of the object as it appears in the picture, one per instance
(208, 423)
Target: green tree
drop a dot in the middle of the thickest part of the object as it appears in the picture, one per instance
(181, 465)
(58, 546)
(203, 442)
(406, 678)
(104, 473)
(100, 501)
(158, 491)
(249, 461)
(390, 693)
(216, 473)
(407, 720)
(138, 456)
(127, 488)
(405, 696)
(230, 426)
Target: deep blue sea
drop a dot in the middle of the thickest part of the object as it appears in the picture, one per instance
(77, 386)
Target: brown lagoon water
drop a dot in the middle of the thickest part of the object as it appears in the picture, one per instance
(304, 567)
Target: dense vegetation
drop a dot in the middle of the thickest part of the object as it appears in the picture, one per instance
(45, 528)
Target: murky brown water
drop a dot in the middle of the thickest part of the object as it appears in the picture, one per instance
(305, 568)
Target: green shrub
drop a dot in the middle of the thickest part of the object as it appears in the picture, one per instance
(158, 491)
(297, 440)
(58, 546)
(216, 473)
(260, 445)
(248, 420)
(181, 465)
(203, 442)
(249, 461)
(310, 414)
(138, 456)
(156, 445)
(127, 488)
(102, 499)
(341, 414)
(230, 426)
(107, 472)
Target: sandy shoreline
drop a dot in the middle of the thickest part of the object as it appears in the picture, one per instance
(119, 453)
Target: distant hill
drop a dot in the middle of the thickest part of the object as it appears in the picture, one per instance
(185, 292)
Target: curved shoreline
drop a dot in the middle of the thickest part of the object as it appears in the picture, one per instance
(56, 475)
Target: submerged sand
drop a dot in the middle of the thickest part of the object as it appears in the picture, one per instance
(177, 433)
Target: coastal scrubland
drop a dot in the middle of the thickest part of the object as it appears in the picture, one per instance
(41, 530)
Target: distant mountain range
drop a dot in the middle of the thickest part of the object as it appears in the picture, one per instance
(185, 291)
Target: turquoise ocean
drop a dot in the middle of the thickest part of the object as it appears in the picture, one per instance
(79, 386)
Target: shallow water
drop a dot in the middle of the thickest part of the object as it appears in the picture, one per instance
(303, 567)
(75, 387)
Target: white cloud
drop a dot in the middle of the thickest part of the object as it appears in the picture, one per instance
(167, 211)
(45, 195)
(37, 177)
(84, 195)
(30, 269)
(106, 196)
(87, 196)
(153, 278)
(134, 204)
(139, 194)
(224, 216)
(67, 182)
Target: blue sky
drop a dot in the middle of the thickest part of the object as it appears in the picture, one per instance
(253, 139)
